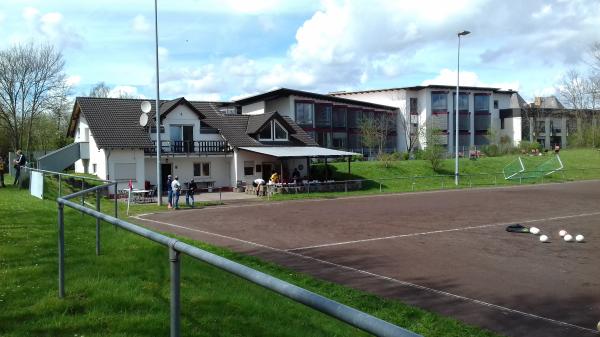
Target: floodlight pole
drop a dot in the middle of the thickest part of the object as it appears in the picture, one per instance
(157, 108)
(464, 32)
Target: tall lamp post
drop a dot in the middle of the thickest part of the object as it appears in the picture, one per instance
(158, 143)
(464, 32)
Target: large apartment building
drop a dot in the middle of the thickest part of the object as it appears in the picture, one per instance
(333, 122)
(480, 109)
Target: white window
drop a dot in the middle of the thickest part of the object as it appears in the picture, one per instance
(266, 133)
(202, 169)
(280, 132)
(273, 131)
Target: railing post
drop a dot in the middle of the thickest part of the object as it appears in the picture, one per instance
(83, 194)
(97, 223)
(346, 186)
(470, 182)
(59, 186)
(495, 180)
(412, 181)
(380, 186)
(175, 291)
(308, 187)
(220, 189)
(116, 202)
(61, 251)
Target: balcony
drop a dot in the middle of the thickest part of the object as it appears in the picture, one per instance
(439, 121)
(190, 147)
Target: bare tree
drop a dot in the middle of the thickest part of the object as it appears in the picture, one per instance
(100, 90)
(31, 80)
(374, 131)
(412, 128)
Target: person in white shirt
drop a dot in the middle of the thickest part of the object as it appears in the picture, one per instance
(259, 184)
(176, 187)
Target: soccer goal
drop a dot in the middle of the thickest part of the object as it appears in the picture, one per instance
(548, 167)
(513, 169)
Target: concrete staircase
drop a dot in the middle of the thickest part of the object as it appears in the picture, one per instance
(64, 157)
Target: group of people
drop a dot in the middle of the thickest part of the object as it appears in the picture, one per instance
(275, 178)
(19, 161)
(174, 192)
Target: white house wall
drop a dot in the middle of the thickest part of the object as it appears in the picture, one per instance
(97, 156)
(127, 156)
(283, 105)
(183, 167)
(254, 108)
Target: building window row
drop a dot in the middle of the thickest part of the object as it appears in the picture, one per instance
(439, 102)
(319, 115)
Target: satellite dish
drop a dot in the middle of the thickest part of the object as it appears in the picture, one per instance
(144, 120)
(146, 107)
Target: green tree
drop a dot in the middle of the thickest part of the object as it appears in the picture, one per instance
(434, 152)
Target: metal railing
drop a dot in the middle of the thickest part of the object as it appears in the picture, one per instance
(187, 147)
(327, 306)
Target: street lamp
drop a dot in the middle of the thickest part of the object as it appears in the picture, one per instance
(464, 32)
(158, 144)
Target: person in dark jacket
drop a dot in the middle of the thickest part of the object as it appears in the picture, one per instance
(169, 191)
(189, 194)
(18, 162)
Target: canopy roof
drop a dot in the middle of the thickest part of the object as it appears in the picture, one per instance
(299, 151)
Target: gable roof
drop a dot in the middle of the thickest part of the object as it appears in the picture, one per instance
(168, 106)
(114, 123)
(283, 92)
(256, 122)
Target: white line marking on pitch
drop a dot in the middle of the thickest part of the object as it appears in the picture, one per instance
(439, 231)
(386, 278)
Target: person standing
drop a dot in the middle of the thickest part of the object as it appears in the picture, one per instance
(169, 192)
(176, 189)
(2, 171)
(189, 196)
(20, 161)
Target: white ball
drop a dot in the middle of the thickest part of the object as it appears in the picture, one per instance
(579, 238)
(534, 230)
(568, 238)
(544, 238)
(562, 232)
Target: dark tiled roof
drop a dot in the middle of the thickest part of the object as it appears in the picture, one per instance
(114, 123)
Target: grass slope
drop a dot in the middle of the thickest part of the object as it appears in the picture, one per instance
(125, 290)
(417, 175)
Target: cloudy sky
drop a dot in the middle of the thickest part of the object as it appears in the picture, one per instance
(224, 49)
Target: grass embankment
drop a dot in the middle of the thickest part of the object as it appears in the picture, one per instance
(125, 290)
(417, 175)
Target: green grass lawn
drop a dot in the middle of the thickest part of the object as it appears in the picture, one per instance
(125, 290)
(417, 175)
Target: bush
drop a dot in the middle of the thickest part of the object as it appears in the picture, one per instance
(386, 159)
(405, 155)
(526, 146)
(435, 155)
(491, 150)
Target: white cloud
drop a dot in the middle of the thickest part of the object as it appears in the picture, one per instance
(544, 11)
(73, 80)
(163, 54)
(48, 26)
(140, 24)
(468, 78)
(125, 90)
(30, 13)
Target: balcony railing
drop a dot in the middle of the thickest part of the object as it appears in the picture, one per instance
(190, 147)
